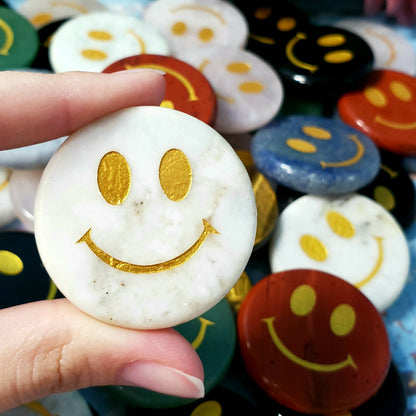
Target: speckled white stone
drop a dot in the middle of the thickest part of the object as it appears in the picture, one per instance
(391, 49)
(238, 111)
(41, 12)
(147, 228)
(126, 36)
(352, 259)
(7, 212)
(225, 21)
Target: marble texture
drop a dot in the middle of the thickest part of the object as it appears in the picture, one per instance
(145, 227)
(189, 24)
(249, 91)
(93, 41)
(352, 237)
(391, 50)
(316, 155)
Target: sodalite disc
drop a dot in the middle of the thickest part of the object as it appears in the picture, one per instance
(352, 237)
(145, 218)
(315, 155)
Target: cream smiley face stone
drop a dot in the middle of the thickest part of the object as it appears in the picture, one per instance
(351, 237)
(145, 218)
(93, 41)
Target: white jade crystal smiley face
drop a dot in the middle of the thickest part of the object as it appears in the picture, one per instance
(146, 218)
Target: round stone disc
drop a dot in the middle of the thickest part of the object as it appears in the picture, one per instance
(155, 223)
(93, 41)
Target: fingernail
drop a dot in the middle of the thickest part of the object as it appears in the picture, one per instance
(161, 379)
(129, 71)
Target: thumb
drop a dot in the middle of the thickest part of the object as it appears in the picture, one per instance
(50, 346)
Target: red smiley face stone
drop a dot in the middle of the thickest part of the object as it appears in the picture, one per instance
(313, 342)
(187, 90)
(385, 110)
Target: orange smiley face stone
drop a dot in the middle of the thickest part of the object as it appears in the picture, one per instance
(313, 342)
(385, 110)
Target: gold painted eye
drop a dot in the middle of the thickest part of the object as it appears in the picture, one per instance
(375, 96)
(10, 263)
(340, 225)
(114, 178)
(384, 197)
(301, 145)
(100, 35)
(331, 40)
(313, 247)
(262, 13)
(94, 54)
(285, 24)
(206, 34)
(208, 408)
(342, 320)
(175, 174)
(41, 19)
(400, 91)
(251, 87)
(317, 132)
(302, 300)
(179, 28)
(339, 57)
(239, 67)
(167, 104)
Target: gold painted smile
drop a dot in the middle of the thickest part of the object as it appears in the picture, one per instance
(394, 125)
(150, 268)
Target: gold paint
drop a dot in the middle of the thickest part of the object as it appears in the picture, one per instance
(376, 267)
(342, 320)
(52, 291)
(139, 40)
(317, 132)
(313, 247)
(348, 162)
(94, 54)
(208, 408)
(179, 28)
(229, 100)
(38, 407)
(375, 96)
(391, 172)
(301, 145)
(203, 65)
(6, 181)
(238, 292)
(339, 57)
(285, 24)
(401, 91)
(114, 178)
(41, 19)
(206, 34)
(263, 13)
(167, 104)
(394, 125)
(184, 81)
(150, 268)
(251, 87)
(48, 41)
(202, 331)
(239, 67)
(262, 39)
(302, 300)
(200, 8)
(385, 39)
(331, 40)
(10, 263)
(175, 174)
(293, 59)
(8, 42)
(70, 4)
(326, 368)
(100, 35)
(384, 197)
(340, 225)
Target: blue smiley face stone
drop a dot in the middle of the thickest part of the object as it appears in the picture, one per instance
(315, 155)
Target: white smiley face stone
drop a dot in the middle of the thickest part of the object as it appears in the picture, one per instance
(249, 91)
(194, 23)
(94, 41)
(352, 237)
(146, 218)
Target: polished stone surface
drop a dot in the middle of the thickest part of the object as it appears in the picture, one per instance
(7, 211)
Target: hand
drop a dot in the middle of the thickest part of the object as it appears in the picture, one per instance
(404, 11)
(51, 346)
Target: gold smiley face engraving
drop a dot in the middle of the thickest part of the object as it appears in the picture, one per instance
(341, 323)
(10, 263)
(114, 183)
